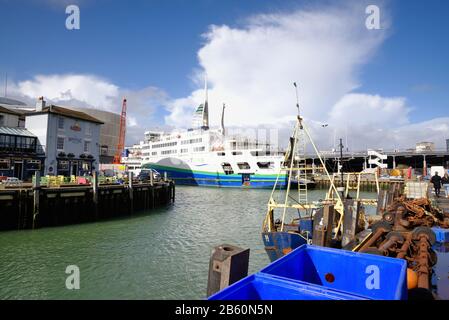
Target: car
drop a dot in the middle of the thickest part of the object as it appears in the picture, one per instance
(11, 181)
(144, 175)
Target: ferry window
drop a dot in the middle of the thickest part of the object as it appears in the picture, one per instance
(153, 154)
(184, 150)
(168, 152)
(60, 123)
(260, 153)
(265, 165)
(236, 153)
(243, 165)
(199, 149)
(221, 154)
(227, 168)
(2, 121)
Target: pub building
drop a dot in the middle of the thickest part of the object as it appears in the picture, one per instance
(69, 138)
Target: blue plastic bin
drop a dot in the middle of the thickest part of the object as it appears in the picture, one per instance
(442, 235)
(366, 275)
(264, 287)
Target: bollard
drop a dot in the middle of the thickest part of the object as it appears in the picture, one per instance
(36, 188)
(228, 264)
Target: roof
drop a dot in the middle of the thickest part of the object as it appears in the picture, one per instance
(67, 113)
(9, 111)
(4, 100)
(16, 132)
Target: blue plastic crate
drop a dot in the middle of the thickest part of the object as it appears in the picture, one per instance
(370, 276)
(264, 287)
(442, 235)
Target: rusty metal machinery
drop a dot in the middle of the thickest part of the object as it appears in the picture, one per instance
(404, 232)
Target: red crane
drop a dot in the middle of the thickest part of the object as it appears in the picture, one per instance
(121, 137)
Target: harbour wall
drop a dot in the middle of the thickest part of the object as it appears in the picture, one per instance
(30, 208)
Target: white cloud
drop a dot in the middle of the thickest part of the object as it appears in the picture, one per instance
(91, 91)
(87, 89)
(362, 109)
(252, 68)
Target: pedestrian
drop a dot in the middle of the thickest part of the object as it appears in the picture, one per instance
(445, 183)
(436, 180)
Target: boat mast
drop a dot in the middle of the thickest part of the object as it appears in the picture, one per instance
(341, 169)
(222, 120)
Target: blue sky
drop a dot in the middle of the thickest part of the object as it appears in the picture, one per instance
(140, 44)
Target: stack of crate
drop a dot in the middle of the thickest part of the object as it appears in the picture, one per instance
(416, 190)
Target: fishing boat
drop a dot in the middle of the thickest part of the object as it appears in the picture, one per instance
(294, 227)
(202, 156)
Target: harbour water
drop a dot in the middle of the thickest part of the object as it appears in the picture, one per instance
(162, 254)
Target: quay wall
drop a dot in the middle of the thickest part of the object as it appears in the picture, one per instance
(29, 208)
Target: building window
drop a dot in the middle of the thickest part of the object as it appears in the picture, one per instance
(88, 129)
(184, 150)
(221, 154)
(60, 143)
(4, 164)
(86, 146)
(236, 153)
(2, 120)
(60, 123)
(153, 154)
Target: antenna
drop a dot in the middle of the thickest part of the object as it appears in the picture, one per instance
(205, 87)
(297, 97)
(6, 84)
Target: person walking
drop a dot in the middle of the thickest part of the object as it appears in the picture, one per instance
(445, 184)
(436, 180)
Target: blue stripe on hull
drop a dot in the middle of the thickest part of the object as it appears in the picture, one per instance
(211, 180)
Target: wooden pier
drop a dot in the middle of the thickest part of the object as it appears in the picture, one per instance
(323, 182)
(38, 206)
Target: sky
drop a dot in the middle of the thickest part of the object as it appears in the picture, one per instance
(377, 88)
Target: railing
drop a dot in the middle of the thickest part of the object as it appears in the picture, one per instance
(22, 148)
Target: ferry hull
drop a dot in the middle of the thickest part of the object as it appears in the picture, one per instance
(183, 176)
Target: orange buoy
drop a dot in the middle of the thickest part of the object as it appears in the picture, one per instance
(412, 279)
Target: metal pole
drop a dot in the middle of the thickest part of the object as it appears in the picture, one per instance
(341, 170)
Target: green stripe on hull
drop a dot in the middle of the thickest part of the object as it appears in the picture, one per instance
(237, 176)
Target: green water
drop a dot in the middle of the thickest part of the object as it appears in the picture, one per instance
(161, 254)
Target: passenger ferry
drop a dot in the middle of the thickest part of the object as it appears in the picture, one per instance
(207, 157)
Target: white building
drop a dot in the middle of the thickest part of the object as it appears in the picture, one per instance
(425, 146)
(69, 138)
